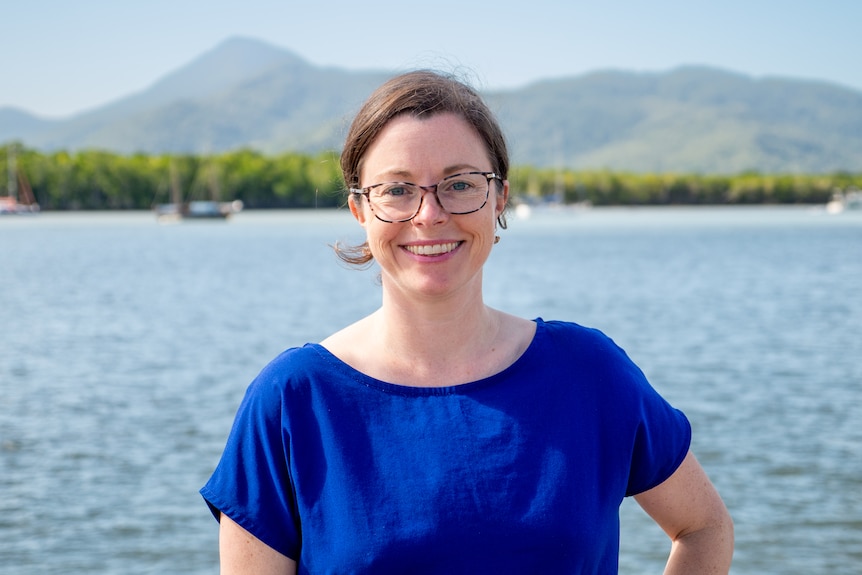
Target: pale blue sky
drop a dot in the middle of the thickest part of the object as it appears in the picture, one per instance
(60, 57)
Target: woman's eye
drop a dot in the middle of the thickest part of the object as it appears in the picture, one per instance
(459, 186)
(392, 191)
(396, 191)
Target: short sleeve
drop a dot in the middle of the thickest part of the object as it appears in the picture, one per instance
(252, 483)
(642, 434)
(662, 438)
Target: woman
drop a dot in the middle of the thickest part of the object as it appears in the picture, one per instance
(438, 435)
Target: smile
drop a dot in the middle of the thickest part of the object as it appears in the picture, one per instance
(433, 249)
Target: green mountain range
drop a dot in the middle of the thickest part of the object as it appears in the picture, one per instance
(246, 93)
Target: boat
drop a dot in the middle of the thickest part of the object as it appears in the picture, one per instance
(178, 209)
(200, 209)
(19, 199)
(851, 199)
(523, 211)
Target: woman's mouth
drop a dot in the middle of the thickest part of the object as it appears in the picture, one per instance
(432, 249)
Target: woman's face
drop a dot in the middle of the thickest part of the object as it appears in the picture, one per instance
(436, 253)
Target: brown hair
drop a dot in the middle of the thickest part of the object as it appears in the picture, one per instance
(422, 93)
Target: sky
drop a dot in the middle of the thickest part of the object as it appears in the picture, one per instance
(60, 58)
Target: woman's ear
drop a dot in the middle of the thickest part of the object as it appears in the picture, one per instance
(354, 201)
(503, 198)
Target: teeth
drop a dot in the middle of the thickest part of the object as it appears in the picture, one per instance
(432, 250)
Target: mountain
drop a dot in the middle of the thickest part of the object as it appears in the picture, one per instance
(246, 93)
(693, 119)
(242, 93)
(16, 121)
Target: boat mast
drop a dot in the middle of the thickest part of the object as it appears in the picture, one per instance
(11, 172)
(176, 190)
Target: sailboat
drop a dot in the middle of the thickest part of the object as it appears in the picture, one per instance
(19, 199)
(179, 209)
(850, 199)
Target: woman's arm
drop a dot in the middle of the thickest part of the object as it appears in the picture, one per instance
(691, 512)
(242, 553)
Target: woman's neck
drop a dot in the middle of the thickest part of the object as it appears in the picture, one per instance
(432, 341)
(436, 341)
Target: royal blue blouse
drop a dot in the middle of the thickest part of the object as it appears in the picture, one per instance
(523, 471)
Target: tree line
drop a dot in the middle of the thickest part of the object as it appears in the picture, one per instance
(604, 188)
(100, 180)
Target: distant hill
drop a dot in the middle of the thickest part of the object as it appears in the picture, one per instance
(692, 119)
(246, 93)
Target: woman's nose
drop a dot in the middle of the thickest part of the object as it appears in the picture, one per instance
(430, 209)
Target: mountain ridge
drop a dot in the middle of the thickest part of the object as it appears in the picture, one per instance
(247, 93)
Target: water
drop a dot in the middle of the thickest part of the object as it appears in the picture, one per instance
(128, 344)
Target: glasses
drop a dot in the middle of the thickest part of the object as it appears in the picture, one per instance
(397, 202)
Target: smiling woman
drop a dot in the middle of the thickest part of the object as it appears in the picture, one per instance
(438, 434)
(420, 95)
(425, 234)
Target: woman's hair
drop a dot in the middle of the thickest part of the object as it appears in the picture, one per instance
(420, 94)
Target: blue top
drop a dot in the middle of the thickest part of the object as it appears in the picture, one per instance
(523, 471)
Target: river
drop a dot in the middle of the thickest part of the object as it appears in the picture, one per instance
(127, 346)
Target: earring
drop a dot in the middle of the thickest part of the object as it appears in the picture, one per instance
(496, 239)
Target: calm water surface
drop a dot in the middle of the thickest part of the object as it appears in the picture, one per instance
(127, 346)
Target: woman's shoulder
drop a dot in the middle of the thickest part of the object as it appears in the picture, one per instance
(587, 347)
(343, 343)
(294, 357)
(571, 333)
(289, 368)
